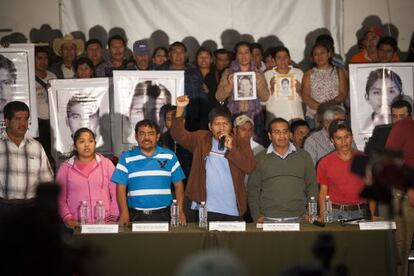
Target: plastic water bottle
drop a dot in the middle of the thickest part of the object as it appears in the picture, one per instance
(312, 209)
(327, 214)
(84, 212)
(99, 212)
(202, 215)
(174, 213)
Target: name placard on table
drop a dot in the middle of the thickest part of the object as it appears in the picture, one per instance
(99, 228)
(150, 227)
(276, 226)
(377, 225)
(229, 226)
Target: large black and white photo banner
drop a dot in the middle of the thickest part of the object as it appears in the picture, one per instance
(17, 81)
(77, 103)
(373, 87)
(140, 95)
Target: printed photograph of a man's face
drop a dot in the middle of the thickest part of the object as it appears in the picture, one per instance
(82, 111)
(245, 87)
(149, 96)
(8, 74)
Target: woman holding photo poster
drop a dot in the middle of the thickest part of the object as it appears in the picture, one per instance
(287, 107)
(323, 84)
(86, 176)
(251, 108)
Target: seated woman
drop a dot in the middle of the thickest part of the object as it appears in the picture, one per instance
(86, 176)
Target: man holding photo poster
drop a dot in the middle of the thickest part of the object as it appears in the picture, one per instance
(220, 164)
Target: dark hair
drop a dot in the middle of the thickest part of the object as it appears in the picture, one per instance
(270, 52)
(256, 45)
(295, 123)
(222, 51)
(280, 48)
(203, 49)
(165, 109)
(285, 80)
(388, 40)
(147, 123)
(400, 103)
(324, 45)
(116, 37)
(177, 44)
(248, 78)
(9, 66)
(328, 39)
(380, 74)
(158, 49)
(13, 107)
(274, 121)
(241, 43)
(81, 130)
(82, 61)
(42, 49)
(336, 125)
(217, 111)
(76, 137)
(93, 41)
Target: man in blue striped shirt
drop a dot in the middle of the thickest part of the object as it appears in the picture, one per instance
(144, 176)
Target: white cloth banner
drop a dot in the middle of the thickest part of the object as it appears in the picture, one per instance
(76, 103)
(224, 22)
(140, 95)
(373, 87)
(17, 81)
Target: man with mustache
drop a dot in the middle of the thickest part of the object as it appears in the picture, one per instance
(144, 176)
(23, 162)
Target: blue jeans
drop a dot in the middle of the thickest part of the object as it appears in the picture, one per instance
(347, 215)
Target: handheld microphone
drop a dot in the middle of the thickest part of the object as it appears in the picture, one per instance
(221, 142)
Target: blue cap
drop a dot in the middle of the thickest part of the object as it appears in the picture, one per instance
(140, 47)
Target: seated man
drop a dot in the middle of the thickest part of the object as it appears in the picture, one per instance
(318, 143)
(218, 171)
(243, 127)
(284, 181)
(400, 109)
(336, 179)
(144, 176)
(299, 129)
(23, 162)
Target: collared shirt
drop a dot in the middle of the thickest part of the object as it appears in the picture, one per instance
(68, 73)
(318, 145)
(148, 179)
(22, 167)
(291, 149)
(221, 197)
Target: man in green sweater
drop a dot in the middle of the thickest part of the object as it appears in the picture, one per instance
(284, 179)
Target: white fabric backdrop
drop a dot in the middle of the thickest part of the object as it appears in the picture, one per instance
(290, 20)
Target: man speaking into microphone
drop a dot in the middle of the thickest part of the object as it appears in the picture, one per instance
(220, 163)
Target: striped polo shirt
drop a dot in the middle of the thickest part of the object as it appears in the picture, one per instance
(148, 179)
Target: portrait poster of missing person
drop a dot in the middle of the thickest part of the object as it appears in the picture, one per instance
(373, 87)
(140, 95)
(77, 103)
(17, 81)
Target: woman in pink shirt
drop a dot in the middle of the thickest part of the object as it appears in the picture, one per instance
(86, 176)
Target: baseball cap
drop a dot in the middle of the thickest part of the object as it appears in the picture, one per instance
(241, 120)
(140, 47)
